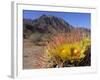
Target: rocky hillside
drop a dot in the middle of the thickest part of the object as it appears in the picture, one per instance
(46, 24)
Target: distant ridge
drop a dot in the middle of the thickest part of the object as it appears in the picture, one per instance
(48, 24)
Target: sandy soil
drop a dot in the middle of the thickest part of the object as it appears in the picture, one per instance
(32, 55)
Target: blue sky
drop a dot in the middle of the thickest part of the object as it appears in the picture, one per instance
(73, 18)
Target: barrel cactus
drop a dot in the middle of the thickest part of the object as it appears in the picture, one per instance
(66, 48)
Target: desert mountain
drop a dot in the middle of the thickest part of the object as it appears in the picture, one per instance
(47, 25)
